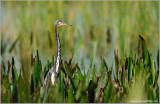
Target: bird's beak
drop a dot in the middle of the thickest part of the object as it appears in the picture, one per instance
(62, 24)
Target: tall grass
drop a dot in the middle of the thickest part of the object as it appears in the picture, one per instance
(135, 79)
(100, 28)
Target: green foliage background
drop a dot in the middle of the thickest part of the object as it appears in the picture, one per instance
(97, 72)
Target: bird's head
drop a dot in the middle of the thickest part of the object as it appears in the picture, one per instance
(60, 23)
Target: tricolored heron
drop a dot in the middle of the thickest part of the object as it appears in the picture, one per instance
(53, 72)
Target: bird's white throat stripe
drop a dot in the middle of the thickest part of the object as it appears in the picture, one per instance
(58, 56)
(57, 63)
(53, 78)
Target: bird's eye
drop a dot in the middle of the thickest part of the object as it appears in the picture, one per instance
(59, 22)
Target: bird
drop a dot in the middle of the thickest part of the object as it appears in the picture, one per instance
(53, 72)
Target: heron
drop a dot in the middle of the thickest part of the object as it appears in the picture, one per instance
(53, 72)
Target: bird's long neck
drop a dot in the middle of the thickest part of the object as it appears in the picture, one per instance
(58, 53)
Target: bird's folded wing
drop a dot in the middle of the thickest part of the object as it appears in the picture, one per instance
(46, 84)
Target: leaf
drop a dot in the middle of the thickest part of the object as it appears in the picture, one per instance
(70, 60)
(32, 85)
(14, 44)
(68, 70)
(153, 71)
(87, 77)
(91, 91)
(9, 73)
(141, 65)
(104, 81)
(38, 57)
(48, 65)
(41, 76)
(76, 81)
(9, 65)
(123, 76)
(122, 60)
(78, 94)
(32, 60)
(74, 68)
(61, 84)
(80, 76)
(147, 60)
(116, 62)
(69, 73)
(70, 94)
(5, 84)
(36, 73)
(93, 73)
(15, 92)
(90, 65)
(130, 68)
(107, 94)
(14, 73)
(158, 59)
(41, 92)
(142, 49)
(21, 91)
(104, 65)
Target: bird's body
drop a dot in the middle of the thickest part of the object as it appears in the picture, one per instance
(57, 64)
(53, 72)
